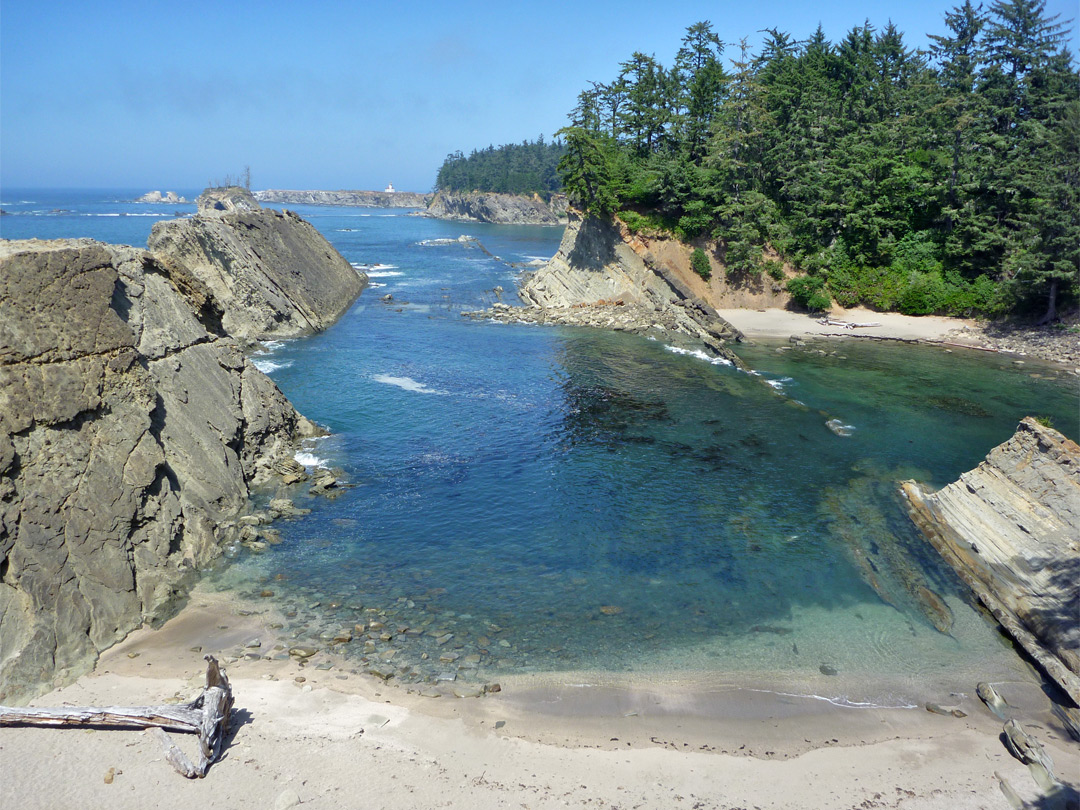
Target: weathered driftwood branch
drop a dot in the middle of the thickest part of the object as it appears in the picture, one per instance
(207, 716)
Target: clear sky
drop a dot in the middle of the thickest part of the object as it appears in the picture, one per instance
(313, 94)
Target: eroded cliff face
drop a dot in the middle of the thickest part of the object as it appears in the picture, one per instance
(131, 430)
(1011, 530)
(602, 276)
(498, 209)
(363, 199)
(270, 272)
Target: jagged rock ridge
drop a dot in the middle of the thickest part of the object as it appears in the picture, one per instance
(271, 272)
(1011, 530)
(600, 278)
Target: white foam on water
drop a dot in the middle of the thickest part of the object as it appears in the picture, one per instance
(407, 383)
(779, 384)
(839, 428)
(269, 366)
(309, 460)
(383, 273)
(700, 355)
(273, 345)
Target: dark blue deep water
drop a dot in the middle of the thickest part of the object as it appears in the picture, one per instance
(575, 500)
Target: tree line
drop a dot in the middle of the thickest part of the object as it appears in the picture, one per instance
(941, 180)
(513, 168)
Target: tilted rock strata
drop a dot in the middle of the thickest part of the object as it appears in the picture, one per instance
(270, 272)
(362, 199)
(598, 279)
(130, 432)
(498, 209)
(1011, 529)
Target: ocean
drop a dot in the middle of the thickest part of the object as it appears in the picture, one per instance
(560, 502)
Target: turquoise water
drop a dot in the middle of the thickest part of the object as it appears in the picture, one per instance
(581, 501)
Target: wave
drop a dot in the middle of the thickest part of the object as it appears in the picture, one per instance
(309, 460)
(382, 274)
(407, 383)
(269, 366)
(272, 345)
(700, 355)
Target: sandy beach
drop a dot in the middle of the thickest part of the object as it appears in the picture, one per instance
(773, 323)
(329, 738)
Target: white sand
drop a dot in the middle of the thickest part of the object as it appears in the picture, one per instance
(781, 323)
(354, 742)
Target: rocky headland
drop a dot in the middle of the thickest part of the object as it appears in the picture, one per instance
(498, 209)
(270, 272)
(1011, 530)
(602, 276)
(133, 428)
(363, 199)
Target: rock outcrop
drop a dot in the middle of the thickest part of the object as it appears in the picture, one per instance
(1011, 530)
(270, 272)
(362, 199)
(601, 277)
(498, 209)
(132, 428)
(170, 197)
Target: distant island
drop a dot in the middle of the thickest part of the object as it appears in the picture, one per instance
(170, 197)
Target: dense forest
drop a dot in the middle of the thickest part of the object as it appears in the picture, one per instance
(945, 180)
(513, 168)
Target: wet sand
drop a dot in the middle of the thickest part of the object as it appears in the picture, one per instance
(342, 740)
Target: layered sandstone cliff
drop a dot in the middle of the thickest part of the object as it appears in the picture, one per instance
(602, 277)
(271, 273)
(1011, 529)
(498, 209)
(131, 431)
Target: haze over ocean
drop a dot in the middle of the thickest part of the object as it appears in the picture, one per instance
(335, 95)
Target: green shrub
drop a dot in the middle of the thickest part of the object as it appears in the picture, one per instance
(1045, 421)
(809, 292)
(774, 268)
(700, 262)
(845, 286)
(635, 222)
(923, 294)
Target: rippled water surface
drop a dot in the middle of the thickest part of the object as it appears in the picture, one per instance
(561, 499)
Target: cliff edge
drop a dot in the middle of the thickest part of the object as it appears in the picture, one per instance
(498, 209)
(270, 272)
(131, 430)
(1011, 530)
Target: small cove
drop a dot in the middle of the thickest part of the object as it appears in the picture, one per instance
(589, 503)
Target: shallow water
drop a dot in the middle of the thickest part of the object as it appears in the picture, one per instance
(575, 500)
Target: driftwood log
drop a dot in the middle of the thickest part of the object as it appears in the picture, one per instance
(207, 715)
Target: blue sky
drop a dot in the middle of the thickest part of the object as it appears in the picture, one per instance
(314, 94)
